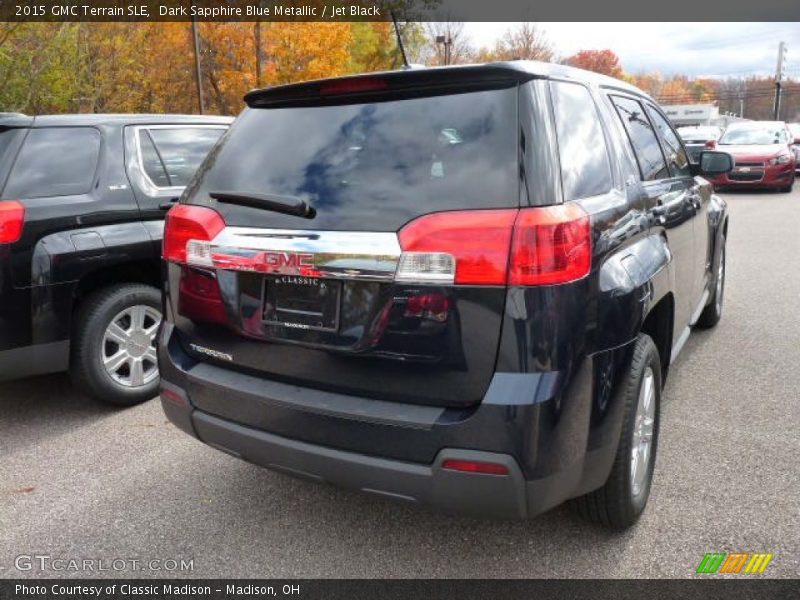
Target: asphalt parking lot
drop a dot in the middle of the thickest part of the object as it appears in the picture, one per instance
(79, 480)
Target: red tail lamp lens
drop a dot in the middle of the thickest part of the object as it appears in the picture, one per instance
(199, 297)
(12, 219)
(434, 307)
(530, 246)
(472, 466)
(353, 86)
(478, 240)
(186, 222)
(551, 245)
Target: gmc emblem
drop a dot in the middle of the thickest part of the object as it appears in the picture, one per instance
(289, 263)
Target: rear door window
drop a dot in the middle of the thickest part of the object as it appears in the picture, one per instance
(372, 166)
(676, 156)
(582, 149)
(170, 156)
(55, 161)
(642, 137)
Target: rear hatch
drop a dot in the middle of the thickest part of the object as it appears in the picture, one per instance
(356, 291)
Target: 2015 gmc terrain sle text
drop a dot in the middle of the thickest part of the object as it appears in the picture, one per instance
(485, 273)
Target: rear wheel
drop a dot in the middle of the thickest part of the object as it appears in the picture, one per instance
(621, 501)
(114, 344)
(712, 313)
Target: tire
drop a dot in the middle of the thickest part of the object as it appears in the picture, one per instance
(135, 309)
(621, 501)
(787, 189)
(712, 313)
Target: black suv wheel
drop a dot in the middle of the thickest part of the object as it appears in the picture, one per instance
(712, 313)
(114, 345)
(621, 501)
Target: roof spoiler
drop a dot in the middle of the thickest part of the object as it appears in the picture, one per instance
(14, 119)
(389, 85)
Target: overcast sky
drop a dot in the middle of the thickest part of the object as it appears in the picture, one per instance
(697, 49)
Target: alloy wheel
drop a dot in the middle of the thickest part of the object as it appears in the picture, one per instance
(129, 346)
(641, 448)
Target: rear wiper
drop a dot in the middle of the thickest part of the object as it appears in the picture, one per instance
(288, 205)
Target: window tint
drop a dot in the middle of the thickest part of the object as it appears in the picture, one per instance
(372, 166)
(676, 156)
(585, 166)
(55, 162)
(642, 138)
(171, 156)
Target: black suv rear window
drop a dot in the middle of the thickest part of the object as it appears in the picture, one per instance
(372, 166)
(57, 161)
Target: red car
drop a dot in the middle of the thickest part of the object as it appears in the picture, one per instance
(763, 153)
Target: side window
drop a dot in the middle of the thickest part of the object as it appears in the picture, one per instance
(170, 156)
(585, 166)
(56, 161)
(643, 138)
(676, 155)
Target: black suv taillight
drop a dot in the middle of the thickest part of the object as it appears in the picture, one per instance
(12, 219)
(187, 232)
(530, 246)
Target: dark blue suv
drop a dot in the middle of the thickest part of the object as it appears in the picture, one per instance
(459, 286)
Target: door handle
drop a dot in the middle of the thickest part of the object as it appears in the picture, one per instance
(168, 205)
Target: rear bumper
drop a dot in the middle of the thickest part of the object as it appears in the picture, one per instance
(396, 450)
(491, 495)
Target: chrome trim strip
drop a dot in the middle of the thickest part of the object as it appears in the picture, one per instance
(334, 254)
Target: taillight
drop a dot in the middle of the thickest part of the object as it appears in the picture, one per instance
(462, 247)
(529, 246)
(12, 218)
(551, 244)
(199, 297)
(710, 144)
(187, 233)
(337, 87)
(474, 466)
(433, 307)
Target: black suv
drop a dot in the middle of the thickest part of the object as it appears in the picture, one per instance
(82, 204)
(460, 286)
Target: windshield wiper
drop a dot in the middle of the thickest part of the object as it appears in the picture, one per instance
(288, 205)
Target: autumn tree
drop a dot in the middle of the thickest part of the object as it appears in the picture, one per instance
(526, 41)
(599, 61)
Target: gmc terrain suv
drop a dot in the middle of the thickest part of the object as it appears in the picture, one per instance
(82, 204)
(460, 286)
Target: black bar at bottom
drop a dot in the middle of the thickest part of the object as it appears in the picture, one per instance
(730, 588)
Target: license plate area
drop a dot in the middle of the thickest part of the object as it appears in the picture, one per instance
(302, 302)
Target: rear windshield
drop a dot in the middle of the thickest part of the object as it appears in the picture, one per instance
(371, 166)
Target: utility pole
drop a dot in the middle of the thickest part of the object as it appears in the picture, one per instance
(198, 73)
(780, 73)
(447, 42)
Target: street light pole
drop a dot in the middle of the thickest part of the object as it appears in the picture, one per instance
(780, 73)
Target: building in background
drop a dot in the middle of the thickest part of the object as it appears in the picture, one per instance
(683, 115)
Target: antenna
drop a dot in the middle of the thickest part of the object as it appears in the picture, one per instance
(400, 41)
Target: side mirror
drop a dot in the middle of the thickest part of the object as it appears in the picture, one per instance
(715, 163)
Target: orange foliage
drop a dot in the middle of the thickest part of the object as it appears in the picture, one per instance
(599, 61)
